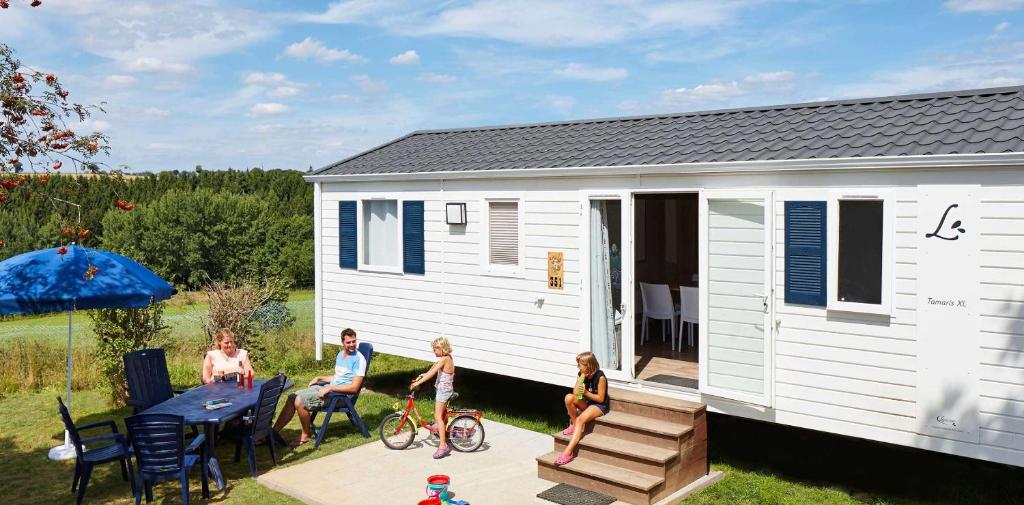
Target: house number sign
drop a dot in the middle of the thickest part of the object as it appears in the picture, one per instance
(556, 270)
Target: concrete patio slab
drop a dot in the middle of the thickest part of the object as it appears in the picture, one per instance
(502, 472)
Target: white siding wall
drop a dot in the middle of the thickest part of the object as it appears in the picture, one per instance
(850, 368)
(847, 374)
(1002, 322)
(496, 323)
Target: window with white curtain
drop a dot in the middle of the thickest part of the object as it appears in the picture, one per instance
(380, 233)
(503, 233)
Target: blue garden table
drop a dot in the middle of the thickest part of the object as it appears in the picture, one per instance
(191, 405)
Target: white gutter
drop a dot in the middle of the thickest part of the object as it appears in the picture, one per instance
(872, 163)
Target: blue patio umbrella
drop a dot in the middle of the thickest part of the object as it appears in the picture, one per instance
(80, 278)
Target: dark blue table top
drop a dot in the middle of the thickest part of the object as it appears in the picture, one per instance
(191, 403)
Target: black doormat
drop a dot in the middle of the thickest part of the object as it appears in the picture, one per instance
(564, 494)
(673, 380)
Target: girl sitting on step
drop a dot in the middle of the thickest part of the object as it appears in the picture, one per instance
(588, 401)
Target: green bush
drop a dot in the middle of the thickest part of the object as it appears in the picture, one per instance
(118, 332)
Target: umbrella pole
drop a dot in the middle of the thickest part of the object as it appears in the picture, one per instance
(66, 451)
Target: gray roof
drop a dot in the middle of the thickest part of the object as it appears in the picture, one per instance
(957, 122)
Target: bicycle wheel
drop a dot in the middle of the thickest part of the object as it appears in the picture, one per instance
(395, 434)
(465, 434)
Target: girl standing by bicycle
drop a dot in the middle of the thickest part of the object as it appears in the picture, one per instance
(444, 369)
(588, 401)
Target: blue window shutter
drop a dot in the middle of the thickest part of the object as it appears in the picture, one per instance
(806, 253)
(347, 243)
(412, 237)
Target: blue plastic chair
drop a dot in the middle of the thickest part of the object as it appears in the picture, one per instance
(260, 425)
(158, 441)
(149, 383)
(112, 448)
(341, 402)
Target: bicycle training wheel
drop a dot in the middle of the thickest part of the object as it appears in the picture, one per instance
(395, 434)
(465, 434)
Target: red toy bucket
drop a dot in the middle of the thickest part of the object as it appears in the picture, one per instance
(430, 501)
(437, 487)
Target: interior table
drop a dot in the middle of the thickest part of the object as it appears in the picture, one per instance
(192, 406)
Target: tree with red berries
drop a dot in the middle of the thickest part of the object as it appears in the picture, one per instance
(38, 138)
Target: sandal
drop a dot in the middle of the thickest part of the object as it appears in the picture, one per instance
(297, 442)
(569, 431)
(564, 459)
(442, 452)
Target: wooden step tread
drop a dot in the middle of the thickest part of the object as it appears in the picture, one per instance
(641, 423)
(619, 476)
(623, 447)
(627, 395)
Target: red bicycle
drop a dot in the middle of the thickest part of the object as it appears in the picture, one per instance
(464, 426)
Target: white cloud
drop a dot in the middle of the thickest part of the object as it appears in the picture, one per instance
(1001, 65)
(311, 49)
(268, 109)
(264, 79)
(274, 84)
(119, 81)
(538, 22)
(369, 86)
(589, 73)
(159, 36)
(162, 146)
(155, 112)
(284, 91)
(407, 58)
(985, 6)
(1001, 27)
(155, 65)
(562, 104)
(715, 93)
(436, 78)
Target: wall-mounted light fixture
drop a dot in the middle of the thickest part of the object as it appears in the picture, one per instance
(455, 213)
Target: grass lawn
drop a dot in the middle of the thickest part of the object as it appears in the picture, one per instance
(763, 463)
(184, 315)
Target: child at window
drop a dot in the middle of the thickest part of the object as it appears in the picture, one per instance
(588, 401)
(444, 369)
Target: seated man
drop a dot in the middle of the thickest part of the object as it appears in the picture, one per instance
(349, 371)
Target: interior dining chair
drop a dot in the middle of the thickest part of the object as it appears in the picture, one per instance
(657, 302)
(689, 313)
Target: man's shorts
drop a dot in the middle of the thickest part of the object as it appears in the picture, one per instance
(309, 397)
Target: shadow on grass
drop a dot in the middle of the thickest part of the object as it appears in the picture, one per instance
(870, 472)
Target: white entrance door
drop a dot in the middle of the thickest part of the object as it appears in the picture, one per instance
(607, 258)
(736, 295)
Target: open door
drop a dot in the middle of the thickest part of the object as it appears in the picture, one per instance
(607, 256)
(736, 295)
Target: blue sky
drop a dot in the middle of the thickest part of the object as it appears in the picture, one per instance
(290, 84)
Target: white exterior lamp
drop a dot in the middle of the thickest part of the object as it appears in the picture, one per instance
(455, 213)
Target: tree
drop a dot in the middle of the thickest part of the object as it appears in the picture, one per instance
(38, 138)
(121, 331)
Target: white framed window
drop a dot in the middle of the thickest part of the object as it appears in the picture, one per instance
(861, 246)
(503, 251)
(381, 237)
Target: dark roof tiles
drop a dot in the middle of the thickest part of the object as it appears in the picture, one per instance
(958, 122)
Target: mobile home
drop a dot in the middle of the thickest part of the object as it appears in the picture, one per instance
(854, 266)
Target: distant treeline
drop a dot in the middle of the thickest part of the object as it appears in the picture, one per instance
(188, 227)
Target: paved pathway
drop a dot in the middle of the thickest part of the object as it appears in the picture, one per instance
(502, 472)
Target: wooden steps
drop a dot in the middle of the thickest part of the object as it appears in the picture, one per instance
(645, 449)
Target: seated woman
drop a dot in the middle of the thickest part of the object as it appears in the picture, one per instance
(227, 360)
